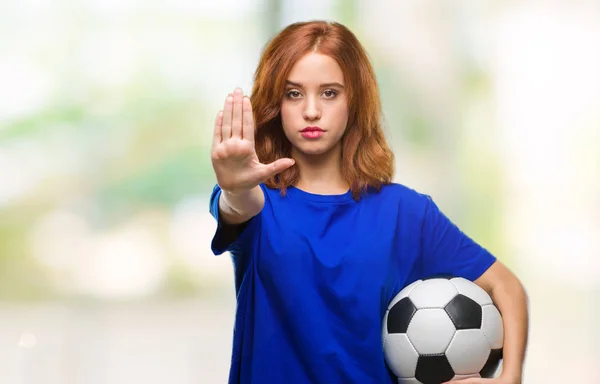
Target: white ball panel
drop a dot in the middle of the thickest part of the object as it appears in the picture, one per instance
(404, 292)
(471, 290)
(412, 380)
(430, 331)
(468, 351)
(460, 377)
(384, 332)
(400, 355)
(434, 293)
(492, 327)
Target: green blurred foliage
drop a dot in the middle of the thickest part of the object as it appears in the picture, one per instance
(21, 276)
(142, 147)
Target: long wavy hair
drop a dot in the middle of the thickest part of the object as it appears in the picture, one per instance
(367, 160)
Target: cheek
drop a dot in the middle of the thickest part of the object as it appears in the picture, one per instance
(287, 121)
(286, 116)
(340, 116)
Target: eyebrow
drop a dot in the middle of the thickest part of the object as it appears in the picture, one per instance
(334, 84)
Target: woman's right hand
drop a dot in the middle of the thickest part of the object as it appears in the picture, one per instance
(233, 155)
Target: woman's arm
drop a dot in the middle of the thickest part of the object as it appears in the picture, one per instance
(509, 296)
(239, 208)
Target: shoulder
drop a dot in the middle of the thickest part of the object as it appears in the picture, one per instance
(402, 194)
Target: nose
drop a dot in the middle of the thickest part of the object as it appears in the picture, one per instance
(312, 109)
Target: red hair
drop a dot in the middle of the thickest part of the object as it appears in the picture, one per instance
(367, 160)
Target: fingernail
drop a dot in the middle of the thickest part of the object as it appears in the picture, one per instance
(238, 90)
(230, 99)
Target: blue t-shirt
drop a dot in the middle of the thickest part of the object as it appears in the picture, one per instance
(314, 275)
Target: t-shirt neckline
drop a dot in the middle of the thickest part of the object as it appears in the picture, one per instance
(296, 192)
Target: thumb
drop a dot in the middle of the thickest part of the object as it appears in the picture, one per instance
(276, 167)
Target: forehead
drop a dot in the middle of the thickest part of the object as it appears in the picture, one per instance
(316, 68)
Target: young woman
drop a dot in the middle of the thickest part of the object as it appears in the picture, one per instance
(320, 237)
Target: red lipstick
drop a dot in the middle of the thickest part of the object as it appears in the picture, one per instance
(312, 132)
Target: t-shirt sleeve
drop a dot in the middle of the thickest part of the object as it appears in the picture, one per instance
(446, 250)
(233, 238)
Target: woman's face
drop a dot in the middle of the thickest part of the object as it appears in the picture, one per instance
(314, 110)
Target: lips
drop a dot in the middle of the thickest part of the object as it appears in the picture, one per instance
(312, 129)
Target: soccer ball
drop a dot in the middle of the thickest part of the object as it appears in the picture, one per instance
(440, 329)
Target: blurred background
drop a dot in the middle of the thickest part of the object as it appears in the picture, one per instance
(106, 112)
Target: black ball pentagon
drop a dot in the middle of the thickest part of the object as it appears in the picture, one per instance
(433, 369)
(492, 363)
(400, 315)
(464, 312)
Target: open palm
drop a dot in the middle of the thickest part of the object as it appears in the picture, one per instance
(233, 154)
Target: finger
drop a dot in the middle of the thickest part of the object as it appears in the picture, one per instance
(276, 167)
(227, 115)
(248, 124)
(218, 136)
(236, 123)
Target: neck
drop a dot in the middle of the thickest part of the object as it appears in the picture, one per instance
(321, 174)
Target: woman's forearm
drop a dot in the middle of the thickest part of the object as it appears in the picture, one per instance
(511, 300)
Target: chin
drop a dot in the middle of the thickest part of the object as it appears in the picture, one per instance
(313, 150)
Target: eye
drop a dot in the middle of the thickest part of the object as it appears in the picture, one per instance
(330, 93)
(292, 94)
